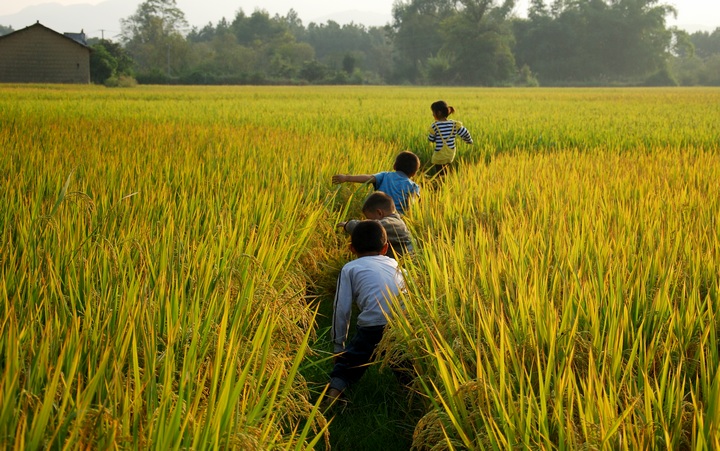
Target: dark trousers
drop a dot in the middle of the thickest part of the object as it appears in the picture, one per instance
(352, 364)
(441, 170)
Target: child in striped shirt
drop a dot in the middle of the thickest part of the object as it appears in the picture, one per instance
(443, 132)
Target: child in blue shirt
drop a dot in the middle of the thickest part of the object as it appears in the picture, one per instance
(396, 184)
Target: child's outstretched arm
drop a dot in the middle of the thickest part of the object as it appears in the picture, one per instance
(349, 226)
(464, 134)
(359, 178)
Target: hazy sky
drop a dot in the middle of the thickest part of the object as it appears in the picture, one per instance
(199, 12)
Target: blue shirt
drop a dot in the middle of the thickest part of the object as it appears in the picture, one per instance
(397, 185)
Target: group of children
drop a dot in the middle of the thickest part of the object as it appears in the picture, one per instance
(373, 280)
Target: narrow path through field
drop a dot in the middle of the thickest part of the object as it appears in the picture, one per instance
(379, 413)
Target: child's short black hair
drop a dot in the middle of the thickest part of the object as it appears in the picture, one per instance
(368, 236)
(407, 162)
(379, 200)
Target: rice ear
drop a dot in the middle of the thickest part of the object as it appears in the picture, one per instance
(63, 193)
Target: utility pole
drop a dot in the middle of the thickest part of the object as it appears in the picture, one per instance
(102, 33)
(168, 60)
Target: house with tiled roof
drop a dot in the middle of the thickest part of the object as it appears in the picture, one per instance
(37, 54)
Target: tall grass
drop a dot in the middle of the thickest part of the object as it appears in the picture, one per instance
(569, 302)
(157, 299)
(159, 246)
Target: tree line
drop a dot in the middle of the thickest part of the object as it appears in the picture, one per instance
(428, 42)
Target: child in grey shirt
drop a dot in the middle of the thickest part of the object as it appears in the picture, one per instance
(380, 206)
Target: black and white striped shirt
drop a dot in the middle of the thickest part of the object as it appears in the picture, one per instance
(448, 130)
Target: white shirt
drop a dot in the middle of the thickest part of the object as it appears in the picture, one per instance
(373, 282)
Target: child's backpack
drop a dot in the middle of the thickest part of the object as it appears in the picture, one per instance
(446, 154)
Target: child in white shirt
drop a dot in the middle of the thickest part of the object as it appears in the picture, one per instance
(373, 282)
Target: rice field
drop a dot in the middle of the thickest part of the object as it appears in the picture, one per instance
(168, 256)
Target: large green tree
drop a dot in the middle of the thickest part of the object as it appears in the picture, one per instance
(696, 57)
(102, 64)
(479, 40)
(465, 42)
(706, 44)
(108, 60)
(256, 48)
(278, 54)
(594, 41)
(215, 52)
(350, 47)
(154, 36)
(416, 36)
